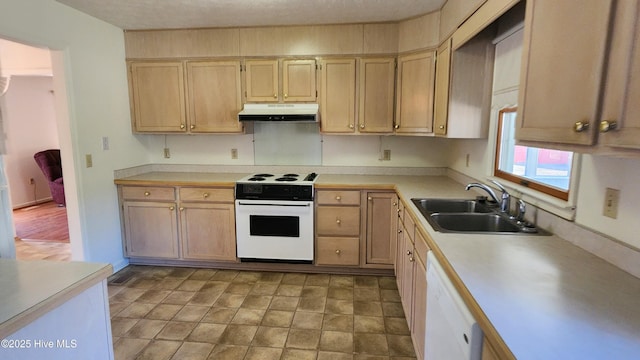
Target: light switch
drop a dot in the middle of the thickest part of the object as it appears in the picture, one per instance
(611, 199)
(88, 160)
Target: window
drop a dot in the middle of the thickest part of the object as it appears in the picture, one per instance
(545, 170)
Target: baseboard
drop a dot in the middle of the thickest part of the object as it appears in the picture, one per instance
(31, 203)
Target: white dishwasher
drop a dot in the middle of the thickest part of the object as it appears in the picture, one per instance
(451, 331)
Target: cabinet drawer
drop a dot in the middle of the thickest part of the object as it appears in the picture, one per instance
(338, 251)
(410, 226)
(206, 194)
(340, 221)
(148, 193)
(400, 210)
(338, 197)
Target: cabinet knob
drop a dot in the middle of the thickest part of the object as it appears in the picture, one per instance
(192, 127)
(441, 127)
(399, 211)
(351, 126)
(275, 96)
(146, 193)
(408, 252)
(361, 126)
(369, 198)
(338, 197)
(181, 208)
(606, 125)
(395, 203)
(399, 231)
(396, 126)
(205, 195)
(338, 251)
(286, 96)
(338, 221)
(172, 208)
(580, 126)
(181, 126)
(411, 259)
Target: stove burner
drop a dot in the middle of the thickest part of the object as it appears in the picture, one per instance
(257, 178)
(263, 175)
(290, 175)
(286, 178)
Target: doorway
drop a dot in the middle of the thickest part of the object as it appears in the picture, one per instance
(40, 225)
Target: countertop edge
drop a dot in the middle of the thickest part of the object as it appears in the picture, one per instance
(26, 317)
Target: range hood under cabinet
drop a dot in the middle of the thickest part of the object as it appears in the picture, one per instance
(279, 112)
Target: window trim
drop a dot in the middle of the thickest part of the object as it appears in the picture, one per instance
(526, 182)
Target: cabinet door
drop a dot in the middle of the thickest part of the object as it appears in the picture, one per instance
(377, 79)
(157, 96)
(419, 307)
(381, 228)
(337, 95)
(214, 96)
(151, 229)
(623, 81)
(208, 231)
(299, 80)
(261, 80)
(408, 268)
(441, 96)
(563, 58)
(338, 221)
(400, 257)
(414, 112)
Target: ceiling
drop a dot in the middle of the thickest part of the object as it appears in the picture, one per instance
(175, 14)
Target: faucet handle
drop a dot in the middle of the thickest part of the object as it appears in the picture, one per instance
(522, 208)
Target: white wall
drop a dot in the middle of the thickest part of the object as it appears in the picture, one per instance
(30, 126)
(595, 175)
(19, 59)
(90, 56)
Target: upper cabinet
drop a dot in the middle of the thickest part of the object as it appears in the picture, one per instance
(263, 82)
(619, 126)
(377, 80)
(214, 96)
(441, 96)
(206, 100)
(156, 93)
(416, 78)
(338, 95)
(564, 56)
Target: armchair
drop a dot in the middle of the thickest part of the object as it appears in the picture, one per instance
(51, 166)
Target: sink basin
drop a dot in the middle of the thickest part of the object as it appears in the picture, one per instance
(471, 216)
(486, 223)
(450, 206)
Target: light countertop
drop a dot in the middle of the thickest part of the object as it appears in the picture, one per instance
(29, 289)
(542, 296)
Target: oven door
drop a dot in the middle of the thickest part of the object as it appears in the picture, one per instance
(276, 230)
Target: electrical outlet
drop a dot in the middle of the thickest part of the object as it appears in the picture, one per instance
(611, 199)
(167, 153)
(32, 181)
(386, 155)
(88, 159)
(105, 143)
(234, 153)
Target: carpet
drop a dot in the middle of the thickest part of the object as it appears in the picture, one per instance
(42, 222)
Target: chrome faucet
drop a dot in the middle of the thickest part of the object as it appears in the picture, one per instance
(505, 199)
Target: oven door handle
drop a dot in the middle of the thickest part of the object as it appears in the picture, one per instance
(290, 205)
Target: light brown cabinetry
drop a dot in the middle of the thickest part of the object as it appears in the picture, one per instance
(338, 227)
(156, 93)
(205, 100)
(564, 55)
(381, 227)
(207, 220)
(488, 353)
(150, 224)
(441, 95)
(376, 95)
(416, 79)
(411, 278)
(264, 84)
(338, 95)
(197, 224)
(214, 96)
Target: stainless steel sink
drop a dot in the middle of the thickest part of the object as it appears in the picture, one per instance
(471, 216)
(474, 222)
(451, 206)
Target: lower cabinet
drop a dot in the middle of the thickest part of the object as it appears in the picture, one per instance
(381, 228)
(411, 276)
(178, 222)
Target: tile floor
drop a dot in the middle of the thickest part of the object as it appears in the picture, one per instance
(184, 313)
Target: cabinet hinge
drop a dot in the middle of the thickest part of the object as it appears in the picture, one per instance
(316, 94)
